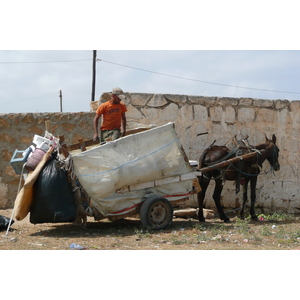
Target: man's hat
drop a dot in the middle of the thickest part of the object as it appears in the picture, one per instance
(119, 92)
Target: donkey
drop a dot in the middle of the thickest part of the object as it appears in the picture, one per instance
(246, 171)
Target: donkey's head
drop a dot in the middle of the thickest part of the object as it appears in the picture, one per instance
(272, 153)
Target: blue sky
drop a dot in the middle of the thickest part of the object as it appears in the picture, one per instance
(31, 80)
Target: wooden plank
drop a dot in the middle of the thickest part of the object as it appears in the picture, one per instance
(228, 162)
(82, 144)
(167, 180)
(74, 147)
(64, 151)
(47, 125)
(137, 130)
(192, 213)
(159, 182)
(91, 142)
(191, 175)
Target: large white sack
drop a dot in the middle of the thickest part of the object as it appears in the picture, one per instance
(138, 158)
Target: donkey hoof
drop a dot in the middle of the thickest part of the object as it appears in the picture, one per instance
(225, 219)
(254, 218)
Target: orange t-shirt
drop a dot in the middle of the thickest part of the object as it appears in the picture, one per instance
(111, 115)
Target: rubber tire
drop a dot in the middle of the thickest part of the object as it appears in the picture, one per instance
(156, 213)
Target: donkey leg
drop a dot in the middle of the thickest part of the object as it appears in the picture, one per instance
(217, 197)
(245, 198)
(201, 195)
(253, 183)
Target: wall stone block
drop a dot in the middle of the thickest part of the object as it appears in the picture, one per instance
(94, 105)
(157, 100)
(170, 113)
(245, 101)
(139, 100)
(295, 114)
(185, 114)
(200, 113)
(280, 104)
(246, 115)
(263, 103)
(134, 112)
(153, 115)
(230, 115)
(295, 106)
(216, 113)
(284, 117)
(223, 101)
(180, 100)
(206, 101)
(266, 116)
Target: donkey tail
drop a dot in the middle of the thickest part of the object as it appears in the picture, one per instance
(202, 158)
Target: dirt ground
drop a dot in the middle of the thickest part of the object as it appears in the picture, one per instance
(270, 233)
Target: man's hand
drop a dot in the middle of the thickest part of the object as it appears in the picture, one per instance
(96, 137)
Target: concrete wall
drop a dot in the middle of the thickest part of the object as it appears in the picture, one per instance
(221, 117)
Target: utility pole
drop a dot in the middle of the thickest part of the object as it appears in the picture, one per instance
(60, 96)
(94, 74)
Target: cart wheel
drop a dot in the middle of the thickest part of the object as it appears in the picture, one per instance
(156, 212)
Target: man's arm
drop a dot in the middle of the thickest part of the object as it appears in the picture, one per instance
(96, 122)
(123, 124)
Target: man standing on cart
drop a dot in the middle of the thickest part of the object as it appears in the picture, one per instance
(113, 116)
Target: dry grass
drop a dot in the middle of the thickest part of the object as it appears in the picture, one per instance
(277, 231)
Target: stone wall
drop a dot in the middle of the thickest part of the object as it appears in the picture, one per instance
(222, 118)
(17, 132)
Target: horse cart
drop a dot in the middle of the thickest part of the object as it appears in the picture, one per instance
(144, 173)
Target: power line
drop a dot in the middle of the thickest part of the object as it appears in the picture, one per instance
(197, 80)
(43, 62)
(29, 98)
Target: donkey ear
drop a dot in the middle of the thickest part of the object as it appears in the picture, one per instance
(274, 139)
(266, 138)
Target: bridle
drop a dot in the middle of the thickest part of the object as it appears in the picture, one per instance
(274, 158)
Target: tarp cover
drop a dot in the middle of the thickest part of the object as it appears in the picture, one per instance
(143, 157)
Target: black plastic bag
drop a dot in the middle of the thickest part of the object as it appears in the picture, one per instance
(4, 222)
(53, 200)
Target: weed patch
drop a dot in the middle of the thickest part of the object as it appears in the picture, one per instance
(276, 217)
